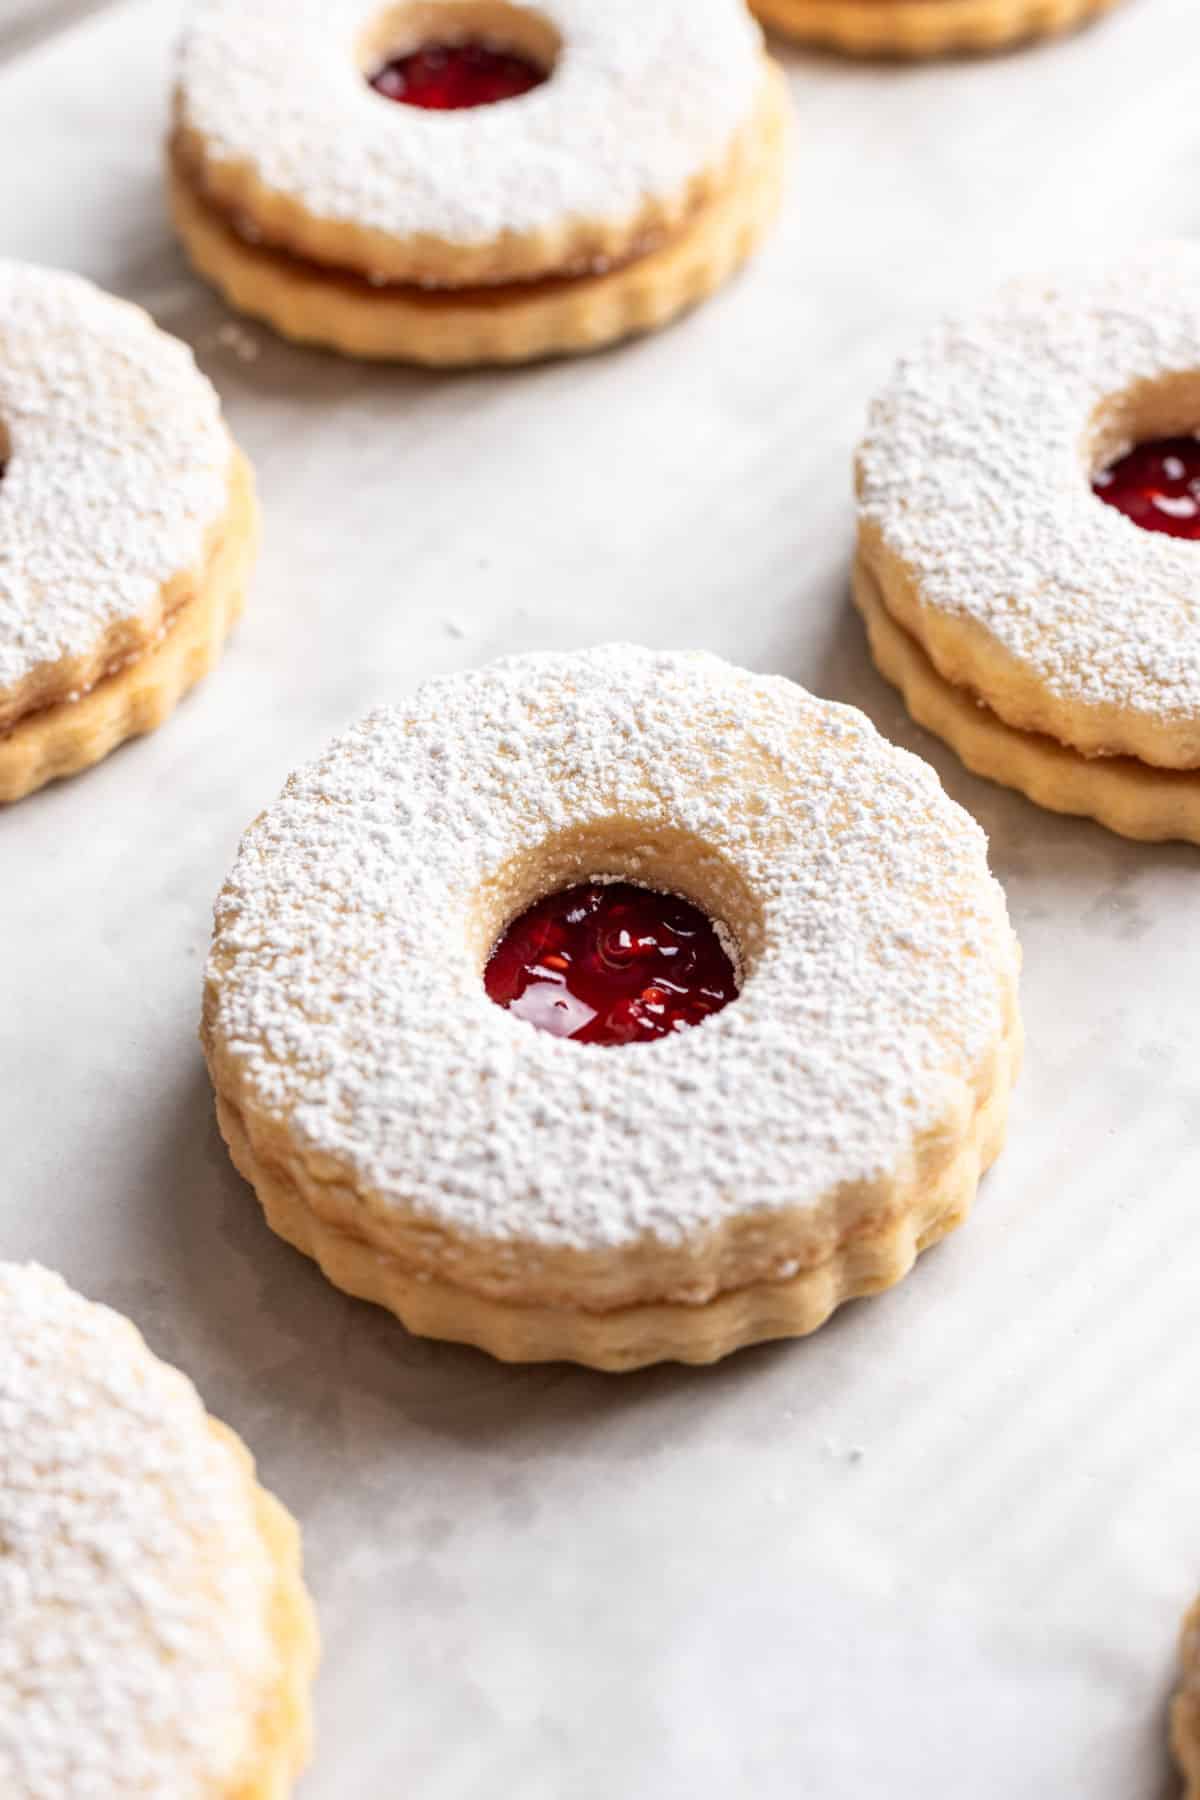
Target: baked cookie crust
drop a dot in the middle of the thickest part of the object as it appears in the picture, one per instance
(869, 1261)
(1134, 799)
(578, 174)
(1185, 1712)
(916, 28)
(736, 1180)
(282, 1738)
(156, 1636)
(114, 477)
(137, 696)
(508, 323)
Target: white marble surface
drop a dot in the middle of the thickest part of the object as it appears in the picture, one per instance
(941, 1548)
(26, 22)
(19, 12)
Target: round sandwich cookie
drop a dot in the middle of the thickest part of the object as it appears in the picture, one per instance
(453, 182)
(155, 1634)
(1029, 540)
(613, 1007)
(128, 526)
(916, 28)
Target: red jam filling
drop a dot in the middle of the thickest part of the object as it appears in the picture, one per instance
(449, 77)
(1157, 485)
(610, 963)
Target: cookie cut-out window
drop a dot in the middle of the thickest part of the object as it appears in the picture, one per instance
(455, 57)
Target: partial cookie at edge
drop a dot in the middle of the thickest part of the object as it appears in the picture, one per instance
(73, 735)
(196, 1608)
(1185, 1709)
(915, 28)
(283, 1730)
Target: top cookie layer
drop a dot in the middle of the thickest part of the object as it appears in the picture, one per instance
(276, 118)
(118, 467)
(346, 1014)
(978, 515)
(134, 1585)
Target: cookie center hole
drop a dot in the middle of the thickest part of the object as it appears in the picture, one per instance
(1144, 455)
(451, 56)
(612, 962)
(1157, 485)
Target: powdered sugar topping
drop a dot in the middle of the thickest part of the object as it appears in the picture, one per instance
(976, 471)
(117, 467)
(133, 1583)
(346, 998)
(645, 96)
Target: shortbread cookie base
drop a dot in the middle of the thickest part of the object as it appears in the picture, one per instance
(115, 485)
(750, 1250)
(914, 28)
(1185, 1712)
(633, 1337)
(967, 655)
(511, 324)
(72, 735)
(283, 1729)
(1135, 799)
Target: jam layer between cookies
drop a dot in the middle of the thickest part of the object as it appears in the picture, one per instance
(245, 238)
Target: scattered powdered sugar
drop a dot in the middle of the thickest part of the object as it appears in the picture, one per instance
(975, 469)
(134, 1646)
(117, 466)
(644, 97)
(235, 337)
(345, 997)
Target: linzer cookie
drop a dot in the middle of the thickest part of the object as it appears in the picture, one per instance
(1029, 540)
(615, 1007)
(127, 525)
(925, 27)
(155, 1634)
(468, 181)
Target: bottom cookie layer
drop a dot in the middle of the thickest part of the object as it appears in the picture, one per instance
(283, 1728)
(924, 27)
(1130, 797)
(635, 1336)
(71, 736)
(512, 324)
